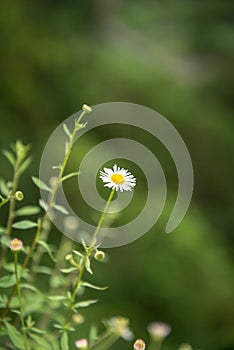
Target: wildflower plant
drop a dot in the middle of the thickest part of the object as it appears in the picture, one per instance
(30, 318)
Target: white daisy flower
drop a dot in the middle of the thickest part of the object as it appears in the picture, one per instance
(118, 178)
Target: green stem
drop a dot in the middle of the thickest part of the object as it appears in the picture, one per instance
(77, 127)
(102, 218)
(88, 253)
(155, 345)
(20, 301)
(11, 212)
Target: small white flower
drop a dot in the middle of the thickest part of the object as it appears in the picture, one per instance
(118, 178)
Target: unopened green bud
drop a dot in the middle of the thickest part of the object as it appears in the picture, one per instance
(86, 108)
(99, 255)
(68, 257)
(19, 196)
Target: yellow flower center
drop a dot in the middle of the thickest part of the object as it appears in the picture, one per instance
(118, 179)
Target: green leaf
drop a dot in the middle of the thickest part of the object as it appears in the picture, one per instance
(27, 210)
(65, 128)
(3, 188)
(66, 177)
(5, 240)
(43, 204)
(47, 249)
(87, 266)
(24, 224)
(7, 281)
(36, 330)
(45, 270)
(10, 157)
(64, 341)
(78, 253)
(85, 245)
(57, 298)
(85, 303)
(90, 285)
(30, 287)
(41, 184)
(4, 300)
(61, 209)
(2, 230)
(68, 270)
(15, 336)
(25, 165)
(40, 340)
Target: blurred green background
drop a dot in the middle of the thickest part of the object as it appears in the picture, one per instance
(175, 57)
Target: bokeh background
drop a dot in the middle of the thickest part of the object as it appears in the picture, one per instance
(175, 57)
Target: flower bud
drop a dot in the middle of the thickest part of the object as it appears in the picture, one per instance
(82, 344)
(78, 318)
(99, 255)
(159, 330)
(139, 345)
(68, 257)
(19, 196)
(16, 245)
(86, 108)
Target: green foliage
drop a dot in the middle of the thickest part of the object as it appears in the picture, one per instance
(24, 224)
(175, 57)
(41, 184)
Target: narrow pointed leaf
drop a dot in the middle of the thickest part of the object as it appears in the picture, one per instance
(93, 286)
(64, 341)
(9, 157)
(30, 287)
(43, 204)
(65, 128)
(25, 165)
(7, 281)
(57, 298)
(85, 303)
(40, 340)
(78, 253)
(68, 270)
(27, 210)
(41, 184)
(47, 249)
(24, 224)
(61, 209)
(3, 188)
(15, 336)
(87, 266)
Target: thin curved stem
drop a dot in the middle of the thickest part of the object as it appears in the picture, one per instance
(88, 253)
(20, 301)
